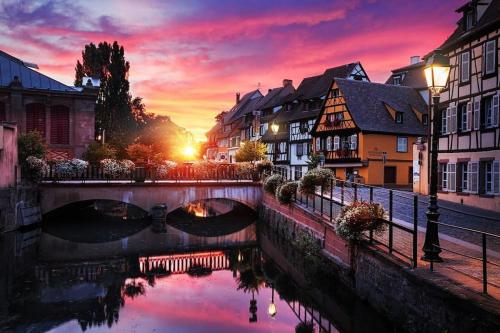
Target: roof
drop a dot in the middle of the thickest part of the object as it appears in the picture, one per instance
(413, 76)
(11, 67)
(367, 102)
(313, 88)
(489, 20)
(276, 96)
(246, 105)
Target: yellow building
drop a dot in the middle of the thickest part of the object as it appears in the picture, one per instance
(366, 131)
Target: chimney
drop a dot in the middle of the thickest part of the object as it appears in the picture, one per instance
(414, 60)
(269, 90)
(287, 82)
(237, 97)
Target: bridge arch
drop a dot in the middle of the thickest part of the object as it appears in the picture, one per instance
(146, 195)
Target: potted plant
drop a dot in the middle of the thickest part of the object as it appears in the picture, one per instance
(286, 192)
(314, 178)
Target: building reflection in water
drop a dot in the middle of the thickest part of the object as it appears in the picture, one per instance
(210, 207)
(175, 280)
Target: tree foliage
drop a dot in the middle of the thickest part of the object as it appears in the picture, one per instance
(114, 103)
(140, 153)
(30, 144)
(251, 151)
(97, 152)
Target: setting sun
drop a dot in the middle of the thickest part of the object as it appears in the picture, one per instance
(188, 151)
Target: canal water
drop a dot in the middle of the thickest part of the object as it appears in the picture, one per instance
(104, 267)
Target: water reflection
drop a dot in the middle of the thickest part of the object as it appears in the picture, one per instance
(173, 281)
(210, 207)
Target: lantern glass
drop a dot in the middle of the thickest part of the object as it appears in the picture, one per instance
(275, 127)
(272, 310)
(437, 72)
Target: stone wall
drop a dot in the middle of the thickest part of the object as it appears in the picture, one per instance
(417, 300)
(8, 155)
(10, 199)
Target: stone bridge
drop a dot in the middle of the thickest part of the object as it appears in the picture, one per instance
(146, 195)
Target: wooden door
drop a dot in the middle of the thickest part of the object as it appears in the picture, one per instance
(390, 175)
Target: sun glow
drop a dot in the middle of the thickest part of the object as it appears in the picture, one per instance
(188, 151)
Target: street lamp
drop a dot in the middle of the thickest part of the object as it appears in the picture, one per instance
(275, 127)
(436, 72)
(271, 310)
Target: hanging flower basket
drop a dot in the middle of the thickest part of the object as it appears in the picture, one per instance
(318, 177)
(359, 217)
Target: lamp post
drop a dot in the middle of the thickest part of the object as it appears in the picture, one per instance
(436, 71)
(275, 127)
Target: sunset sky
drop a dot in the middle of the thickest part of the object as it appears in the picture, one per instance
(188, 57)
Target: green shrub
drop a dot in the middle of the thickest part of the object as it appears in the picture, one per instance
(30, 144)
(97, 152)
(272, 182)
(314, 178)
(286, 192)
(305, 327)
(264, 166)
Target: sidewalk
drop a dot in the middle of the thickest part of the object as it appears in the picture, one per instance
(463, 271)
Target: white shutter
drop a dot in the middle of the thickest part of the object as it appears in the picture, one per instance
(495, 109)
(452, 124)
(445, 126)
(354, 142)
(473, 176)
(477, 114)
(452, 177)
(469, 116)
(336, 142)
(329, 143)
(496, 177)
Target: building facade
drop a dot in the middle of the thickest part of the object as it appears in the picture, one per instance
(365, 131)
(63, 115)
(469, 142)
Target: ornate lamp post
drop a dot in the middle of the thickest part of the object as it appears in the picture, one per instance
(436, 71)
(275, 127)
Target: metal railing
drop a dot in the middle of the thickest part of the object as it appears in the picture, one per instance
(484, 252)
(328, 205)
(186, 172)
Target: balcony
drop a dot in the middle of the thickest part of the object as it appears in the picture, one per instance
(334, 125)
(342, 155)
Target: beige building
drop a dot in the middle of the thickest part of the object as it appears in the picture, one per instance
(469, 142)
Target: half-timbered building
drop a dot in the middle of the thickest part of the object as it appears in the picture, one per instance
(63, 115)
(302, 108)
(365, 131)
(469, 143)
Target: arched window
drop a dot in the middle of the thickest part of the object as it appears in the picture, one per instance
(35, 118)
(3, 115)
(59, 125)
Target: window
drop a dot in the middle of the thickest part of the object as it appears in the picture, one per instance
(354, 142)
(444, 121)
(335, 93)
(465, 176)
(396, 80)
(300, 149)
(468, 20)
(59, 125)
(402, 146)
(35, 118)
(489, 57)
(399, 117)
(336, 142)
(329, 143)
(318, 144)
(490, 111)
(452, 120)
(262, 129)
(492, 177)
(463, 116)
(465, 67)
(298, 172)
(447, 173)
(425, 119)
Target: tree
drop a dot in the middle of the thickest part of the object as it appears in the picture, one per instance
(30, 144)
(251, 151)
(114, 102)
(314, 160)
(97, 152)
(139, 153)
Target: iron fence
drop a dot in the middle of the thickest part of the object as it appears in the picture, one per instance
(185, 172)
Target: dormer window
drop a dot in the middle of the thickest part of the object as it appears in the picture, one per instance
(396, 80)
(425, 119)
(399, 117)
(468, 20)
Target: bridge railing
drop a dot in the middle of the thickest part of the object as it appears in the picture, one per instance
(185, 172)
